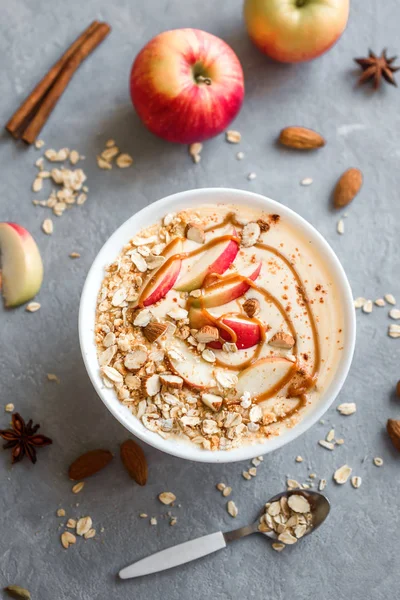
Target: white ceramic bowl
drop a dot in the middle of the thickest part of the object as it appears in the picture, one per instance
(110, 251)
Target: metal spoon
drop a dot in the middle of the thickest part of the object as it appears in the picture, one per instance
(188, 551)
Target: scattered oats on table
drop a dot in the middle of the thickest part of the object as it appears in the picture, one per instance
(78, 487)
(9, 407)
(32, 307)
(232, 508)
(53, 377)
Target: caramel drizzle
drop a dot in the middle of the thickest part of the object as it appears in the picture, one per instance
(218, 321)
(180, 256)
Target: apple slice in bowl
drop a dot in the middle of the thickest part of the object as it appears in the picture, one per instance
(22, 266)
(266, 377)
(195, 372)
(159, 284)
(226, 291)
(216, 259)
(248, 332)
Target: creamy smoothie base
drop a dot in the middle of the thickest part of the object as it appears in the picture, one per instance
(220, 326)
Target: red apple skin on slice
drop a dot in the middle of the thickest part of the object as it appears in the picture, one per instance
(266, 377)
(215, 260)
(22, 266)
(248, 334)
(218, 294)
(163, 280)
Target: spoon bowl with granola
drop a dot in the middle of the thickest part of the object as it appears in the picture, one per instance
(286, 519)
(217, 324)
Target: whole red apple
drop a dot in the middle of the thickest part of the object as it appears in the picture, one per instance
(187, 85)
(295, 30)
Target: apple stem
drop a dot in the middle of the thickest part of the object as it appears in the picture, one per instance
(202, 79)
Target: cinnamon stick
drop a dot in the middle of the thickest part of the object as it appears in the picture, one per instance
(22, 114)
(50, 100)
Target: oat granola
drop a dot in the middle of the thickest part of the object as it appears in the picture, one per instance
(178, 342)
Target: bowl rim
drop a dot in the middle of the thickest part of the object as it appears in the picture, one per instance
(111, 248)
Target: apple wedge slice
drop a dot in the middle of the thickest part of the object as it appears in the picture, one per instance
(22, 266)
(195, 372)
(162, 281)
(222, 293)
(264, 378)
(214, 260)
(248, 333)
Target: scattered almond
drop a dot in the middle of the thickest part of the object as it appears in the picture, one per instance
(282, 340)
(16, 591)
(134, 461)
(212, 401)
(250, 234)
(207, 334)
(393, 429)
(195, 233)
(251, 307)
(301, 138)
(151, 385)
(347, 187)
(172, 381)
(89, 463)
(136, 359)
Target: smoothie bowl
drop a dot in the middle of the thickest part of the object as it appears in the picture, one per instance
(217, 325)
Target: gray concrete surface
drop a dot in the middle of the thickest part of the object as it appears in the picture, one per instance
(357, 553)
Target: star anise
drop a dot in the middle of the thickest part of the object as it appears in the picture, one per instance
(23, 439)
(376, 67)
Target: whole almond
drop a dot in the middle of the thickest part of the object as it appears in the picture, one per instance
(16, 591)
(347, 187)
(134, 461)
(301, 138)
(393, 429)
(88, 464)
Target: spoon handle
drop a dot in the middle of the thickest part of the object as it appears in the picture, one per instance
(174, 556)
